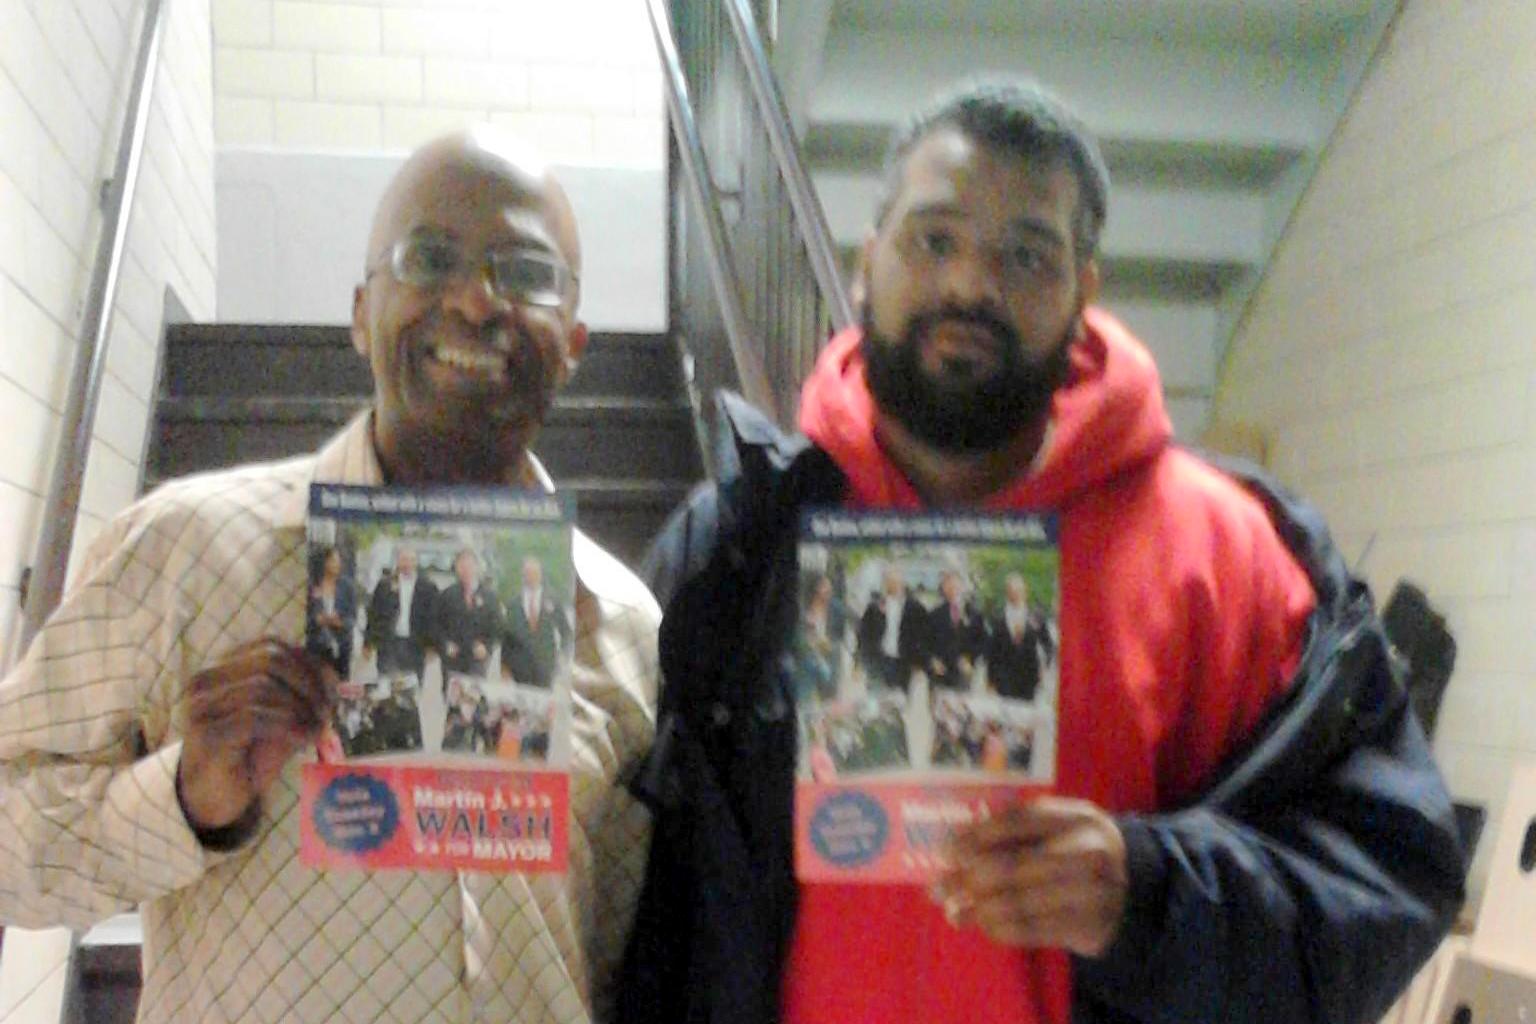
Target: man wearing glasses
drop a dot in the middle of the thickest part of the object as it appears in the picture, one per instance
(152, 736)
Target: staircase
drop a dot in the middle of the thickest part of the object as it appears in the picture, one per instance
(620, 437)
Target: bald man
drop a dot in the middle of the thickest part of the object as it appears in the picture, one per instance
(152, 737)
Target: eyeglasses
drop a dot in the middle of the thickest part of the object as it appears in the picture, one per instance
(526, 277)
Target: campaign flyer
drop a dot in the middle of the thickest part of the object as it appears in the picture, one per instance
(924, 665)
(449, 615)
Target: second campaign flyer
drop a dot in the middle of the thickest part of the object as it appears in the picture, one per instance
(448, 614)
(924, 666)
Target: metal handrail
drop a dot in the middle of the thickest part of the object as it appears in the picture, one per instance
(722, 263)
(51, 562)
(754, 276)
(814, 232)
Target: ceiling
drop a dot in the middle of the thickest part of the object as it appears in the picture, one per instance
(1302, 24)
(1212, 115)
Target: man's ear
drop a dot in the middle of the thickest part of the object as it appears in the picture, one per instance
(858, 288)
(360, 322)
(1089, 278)
(575, 345)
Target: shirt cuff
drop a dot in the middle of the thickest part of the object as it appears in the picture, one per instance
(143, 824)
(224, 838)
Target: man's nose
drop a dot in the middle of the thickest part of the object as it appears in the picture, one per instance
(973, 279)
(471, 296)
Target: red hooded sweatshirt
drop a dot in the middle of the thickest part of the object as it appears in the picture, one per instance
(1182, 617)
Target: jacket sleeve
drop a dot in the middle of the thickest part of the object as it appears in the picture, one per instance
(1320, 911)
(90, 824)
(1310, 882)
(658, 973)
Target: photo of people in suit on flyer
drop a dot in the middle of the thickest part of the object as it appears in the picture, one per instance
(452, 635)
(926, 644)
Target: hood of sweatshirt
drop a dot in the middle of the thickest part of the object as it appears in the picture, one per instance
(1108, 417)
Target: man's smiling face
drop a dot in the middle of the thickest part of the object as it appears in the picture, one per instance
(459, 368)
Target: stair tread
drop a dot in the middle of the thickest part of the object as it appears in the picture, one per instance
(614, 491)
(221, 360)
(340, 336)
(233, 408)
(619, 490)
(620, 437)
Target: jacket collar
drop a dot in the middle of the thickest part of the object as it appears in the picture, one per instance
(745, 429)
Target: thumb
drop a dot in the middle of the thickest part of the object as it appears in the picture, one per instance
(266, 759)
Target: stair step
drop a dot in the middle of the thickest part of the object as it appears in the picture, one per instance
(624, 516)
(595, 492)
(306, 359)
(592, 492)
(621, 515)
(337, 410)
(619, 438)
(108, 987)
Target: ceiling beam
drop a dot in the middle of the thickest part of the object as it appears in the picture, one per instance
(1150, 91)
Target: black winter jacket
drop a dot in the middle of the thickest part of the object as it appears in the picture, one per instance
(1307, 884)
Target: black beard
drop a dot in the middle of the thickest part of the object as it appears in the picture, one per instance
(963, 417)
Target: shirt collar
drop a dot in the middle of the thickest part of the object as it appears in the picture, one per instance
(350, 458)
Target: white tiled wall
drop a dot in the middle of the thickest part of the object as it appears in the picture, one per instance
(579, 77)
(1392, 354)
(64, 75)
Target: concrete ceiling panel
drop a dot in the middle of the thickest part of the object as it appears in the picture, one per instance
(1296, 24)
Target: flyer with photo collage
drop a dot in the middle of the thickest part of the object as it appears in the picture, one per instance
(924, 665)
(449, 615)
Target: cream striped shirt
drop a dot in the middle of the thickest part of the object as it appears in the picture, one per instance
(90, 826)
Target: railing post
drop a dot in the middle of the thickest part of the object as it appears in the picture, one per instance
(774, 274)
(722, 267)
(798, 188)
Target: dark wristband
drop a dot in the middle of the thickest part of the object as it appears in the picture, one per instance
(224, 838)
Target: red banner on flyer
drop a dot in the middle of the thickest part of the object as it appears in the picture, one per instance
(887, 833)
(416, 817)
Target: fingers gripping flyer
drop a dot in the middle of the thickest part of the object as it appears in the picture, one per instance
(924, 665)
(449, 615)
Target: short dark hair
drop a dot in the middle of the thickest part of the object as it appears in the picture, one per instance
(1019, 117)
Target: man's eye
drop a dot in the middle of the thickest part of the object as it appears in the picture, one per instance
(533, 278)
(429, 261)
(521, 273)
(936, 243)
(1026, 257)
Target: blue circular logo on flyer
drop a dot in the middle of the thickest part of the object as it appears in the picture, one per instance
(356, 814)
(849, 829)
